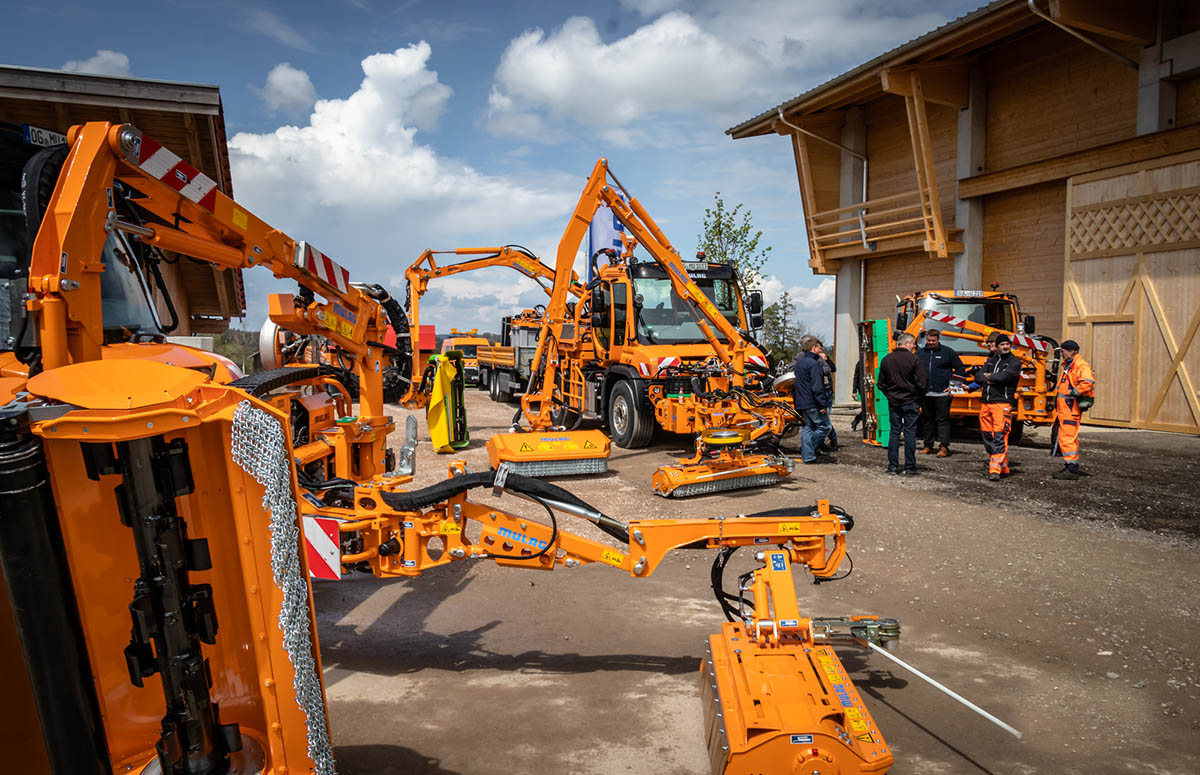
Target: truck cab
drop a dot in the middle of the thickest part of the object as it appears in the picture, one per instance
(643, 350)
(467, 343)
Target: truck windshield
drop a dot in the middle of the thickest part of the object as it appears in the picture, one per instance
(665, 319)
(997, 313)
(468, 350)
(125, 300)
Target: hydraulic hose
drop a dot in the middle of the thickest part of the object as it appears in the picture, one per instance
(416, 500)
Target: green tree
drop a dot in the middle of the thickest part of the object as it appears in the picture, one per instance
(728, 236)
(783, 329)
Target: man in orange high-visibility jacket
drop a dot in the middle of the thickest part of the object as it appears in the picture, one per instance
(999, 377)
(1076, 390)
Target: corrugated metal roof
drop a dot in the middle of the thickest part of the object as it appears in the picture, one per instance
(896, 53)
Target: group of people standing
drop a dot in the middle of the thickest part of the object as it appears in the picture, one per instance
(916, 382)
(917, 385)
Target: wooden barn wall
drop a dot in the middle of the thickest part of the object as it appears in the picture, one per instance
(1132, 285)
(1187, 101)
(890, 151)
(1023, 247)
(1049, 94)
(890, 276)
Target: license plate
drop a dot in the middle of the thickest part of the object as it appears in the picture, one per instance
(35, 135)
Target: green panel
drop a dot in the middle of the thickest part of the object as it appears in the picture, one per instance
(881, 342)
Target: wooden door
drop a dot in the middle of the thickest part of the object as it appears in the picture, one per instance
(1131, 294)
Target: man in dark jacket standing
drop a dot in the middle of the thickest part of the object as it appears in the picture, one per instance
(811, 398)
(902, 380)
(940, 363)
(998, 380)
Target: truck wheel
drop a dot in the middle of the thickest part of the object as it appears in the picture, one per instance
(503, 394)
(492, 385)
(481, 381)
(629, 425)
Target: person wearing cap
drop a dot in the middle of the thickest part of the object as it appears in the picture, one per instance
(998, 378)
(1075, 393)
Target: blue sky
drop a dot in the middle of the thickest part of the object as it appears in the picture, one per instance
(375, 129)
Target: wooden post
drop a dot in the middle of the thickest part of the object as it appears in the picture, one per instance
(923, 156)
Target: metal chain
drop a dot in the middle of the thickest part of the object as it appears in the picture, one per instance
(259, 448)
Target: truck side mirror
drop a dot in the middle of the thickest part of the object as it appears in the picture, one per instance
(756, 304)
(901, 321)
(599, 308)
(1029, 321)
(756, 321)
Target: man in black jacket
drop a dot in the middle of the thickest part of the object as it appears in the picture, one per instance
(811, 398)
(902, 379)
(998, 378)
(940, 363)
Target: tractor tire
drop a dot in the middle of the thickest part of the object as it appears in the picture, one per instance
(629, 425)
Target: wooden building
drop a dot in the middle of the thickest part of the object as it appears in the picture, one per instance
(185, 117)
(1049, 146)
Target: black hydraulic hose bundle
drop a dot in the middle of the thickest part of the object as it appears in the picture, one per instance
(717, 575)
(536, 489)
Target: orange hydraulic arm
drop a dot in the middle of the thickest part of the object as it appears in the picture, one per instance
(539, 403)
(191, 217)
(425, 268)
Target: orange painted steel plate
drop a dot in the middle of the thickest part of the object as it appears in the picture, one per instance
(108, 385)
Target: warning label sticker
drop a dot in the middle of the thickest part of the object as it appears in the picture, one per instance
(526, 448)
(612, 558)
(865, 737)
(588, 445)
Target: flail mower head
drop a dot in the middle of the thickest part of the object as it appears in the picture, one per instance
(721, 463)
(551, 453)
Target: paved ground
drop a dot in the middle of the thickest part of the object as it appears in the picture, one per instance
(1071, 610)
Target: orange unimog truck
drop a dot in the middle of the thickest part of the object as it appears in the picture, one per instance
(965, 318)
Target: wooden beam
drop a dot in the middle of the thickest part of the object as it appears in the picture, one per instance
(1138, 149)
(1120, 19)
(944, 83)
(800, 152)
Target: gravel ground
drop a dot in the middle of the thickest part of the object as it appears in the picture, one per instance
(1069, 610)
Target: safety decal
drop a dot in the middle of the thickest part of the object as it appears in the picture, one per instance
(612, 558)
(525, 447)
(777, 562)
(240, 219)
(802, 739)
(450, 528)
(321, 546)
(865, 737)
(786, 528)
(588, 445)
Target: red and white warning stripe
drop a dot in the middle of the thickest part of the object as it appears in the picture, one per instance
(158, 162)
(668, 362)
(644, 369)
(757, 360)
(1017, 339)
(1031, 343)
(322, 266)
(321, 547)
(949, 320)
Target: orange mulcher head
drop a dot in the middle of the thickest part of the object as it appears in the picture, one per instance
(550, 453)
(720, 463)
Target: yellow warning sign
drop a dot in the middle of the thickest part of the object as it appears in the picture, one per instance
(545, 446)
(526, 448)
(450, 528)
(612, 558)
(786, 528)
(866, 737)
(588, 445)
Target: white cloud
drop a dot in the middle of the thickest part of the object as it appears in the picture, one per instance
(105, 62)
(717, 63)
(356, 183)
(271, 25)
(288, 89)
(668, 65)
